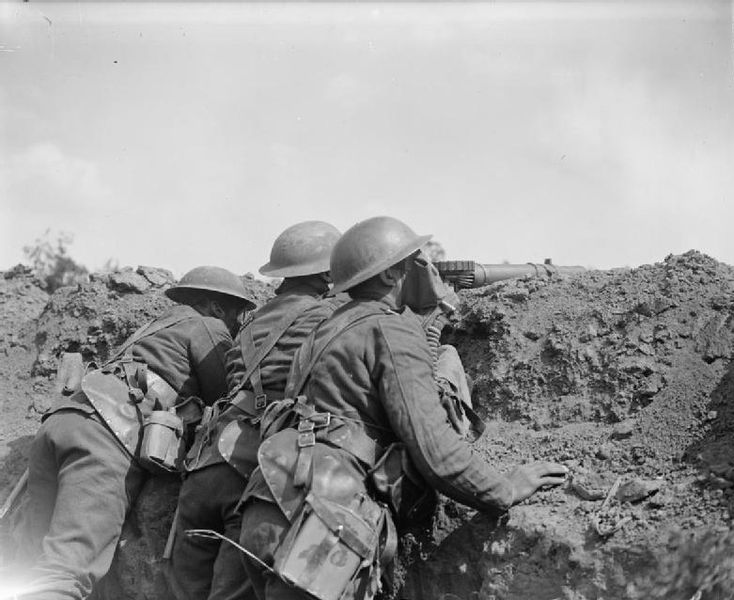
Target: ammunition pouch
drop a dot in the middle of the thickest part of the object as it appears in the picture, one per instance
(108, 394)
(338, 531)
(399, 484)
(239, 440)
(330, 544)
(294, 461)
(231, 433)
(163, 443)
(128, 397)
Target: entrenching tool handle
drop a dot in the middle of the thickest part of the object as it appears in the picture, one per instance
(168, 550)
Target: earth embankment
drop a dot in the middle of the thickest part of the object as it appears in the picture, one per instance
(625, 376)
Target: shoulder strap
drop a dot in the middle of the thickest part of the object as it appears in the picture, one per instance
(146, 330)
(253, 355)
(302, 373)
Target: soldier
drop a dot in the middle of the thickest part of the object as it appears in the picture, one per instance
(366, 408)
(224, 454)
(87, 461)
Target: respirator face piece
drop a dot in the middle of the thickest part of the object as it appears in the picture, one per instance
(423, 288)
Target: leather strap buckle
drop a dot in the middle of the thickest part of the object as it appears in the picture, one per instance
(306, 439)
(306, 426)
(261, 401)
(320, 419)
(315, 421)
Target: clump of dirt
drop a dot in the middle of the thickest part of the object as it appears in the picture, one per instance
(625, 376)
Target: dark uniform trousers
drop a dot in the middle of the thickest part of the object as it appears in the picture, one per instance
(264, 526)
(83, 484)
(206, 568)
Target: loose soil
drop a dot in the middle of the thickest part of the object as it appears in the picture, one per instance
(625, 376)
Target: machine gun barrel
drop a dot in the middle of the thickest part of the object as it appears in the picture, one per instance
(464, 274)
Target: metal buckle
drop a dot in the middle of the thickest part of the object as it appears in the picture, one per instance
(321, 419)
(261, 401)
(306, 439)
(305, 426)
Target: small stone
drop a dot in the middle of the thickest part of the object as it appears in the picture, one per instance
(517, 295)
(605, 451)
(661, 499)
(41, 404)
(637, 489)
(586, 492)
(128, 281)
(623, 429)
(720, 468)
(156, 276)
(497, 549)
(644, 309)
(720, 483)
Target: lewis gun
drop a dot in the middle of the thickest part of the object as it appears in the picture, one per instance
(464, 274)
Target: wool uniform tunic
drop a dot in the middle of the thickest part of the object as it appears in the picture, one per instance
(377, 375)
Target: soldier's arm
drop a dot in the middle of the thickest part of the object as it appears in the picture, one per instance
(234, 361)
(208, 347)
(411, 401)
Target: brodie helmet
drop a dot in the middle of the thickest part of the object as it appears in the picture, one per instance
(302, 249)
(370, 247)
(210, 279)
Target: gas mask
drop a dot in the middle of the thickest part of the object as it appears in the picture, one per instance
(424, 290)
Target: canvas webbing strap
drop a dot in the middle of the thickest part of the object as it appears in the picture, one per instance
(150, 328)
(253, 354)
(347, 322)
(307, 439)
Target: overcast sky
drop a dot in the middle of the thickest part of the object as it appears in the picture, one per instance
(179, 134)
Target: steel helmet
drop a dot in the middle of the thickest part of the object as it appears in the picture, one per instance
(370, 247)
(302, 249)
(210, 279)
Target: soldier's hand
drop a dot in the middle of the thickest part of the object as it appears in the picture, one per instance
(528, 479)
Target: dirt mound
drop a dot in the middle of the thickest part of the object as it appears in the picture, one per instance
(22, 299)
(623, 375)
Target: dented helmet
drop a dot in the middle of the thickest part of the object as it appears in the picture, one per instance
(302, 249)
(210, 279)
(370, 247)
